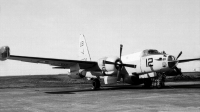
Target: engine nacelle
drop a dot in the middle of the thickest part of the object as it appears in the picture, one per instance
(4, 53)
(77, 75)
(108, 67)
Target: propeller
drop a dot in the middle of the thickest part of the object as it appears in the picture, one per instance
(180, 61)
(178, 71)
(178, 55)
(121, 46)
(119, 75)
(119, 65)
(176, 68)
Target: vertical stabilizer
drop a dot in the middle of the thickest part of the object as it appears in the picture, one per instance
(83, 53)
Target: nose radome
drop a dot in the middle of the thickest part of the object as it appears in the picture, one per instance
(171, 58)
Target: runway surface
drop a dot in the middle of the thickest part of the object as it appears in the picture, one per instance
(176, 97)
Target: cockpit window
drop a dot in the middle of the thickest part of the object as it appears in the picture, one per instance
(153, 52)
(150, 52)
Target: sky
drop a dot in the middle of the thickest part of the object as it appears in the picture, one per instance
(51, 29)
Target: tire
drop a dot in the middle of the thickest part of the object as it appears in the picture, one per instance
(96, 84)
(147, 83)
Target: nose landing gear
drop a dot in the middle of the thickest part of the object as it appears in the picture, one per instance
(159, 80)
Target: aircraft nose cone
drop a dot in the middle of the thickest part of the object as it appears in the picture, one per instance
(171, 61)
(171, 58)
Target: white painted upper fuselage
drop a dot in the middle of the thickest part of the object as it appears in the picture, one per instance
(146, 61)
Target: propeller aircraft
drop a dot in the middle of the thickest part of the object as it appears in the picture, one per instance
(146, 67)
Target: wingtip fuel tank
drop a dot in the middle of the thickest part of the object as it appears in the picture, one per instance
(4, 53)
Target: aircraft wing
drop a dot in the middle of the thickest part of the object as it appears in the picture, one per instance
(59, 63)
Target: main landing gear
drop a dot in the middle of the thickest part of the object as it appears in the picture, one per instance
(96, 84)
(147, 83)
(158, 81)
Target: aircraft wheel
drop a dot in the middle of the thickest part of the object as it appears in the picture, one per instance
(96, 84)
(147, 83)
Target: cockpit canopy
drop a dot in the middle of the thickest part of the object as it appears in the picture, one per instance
(150, 52)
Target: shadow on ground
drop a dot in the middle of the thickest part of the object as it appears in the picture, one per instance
(126, 87)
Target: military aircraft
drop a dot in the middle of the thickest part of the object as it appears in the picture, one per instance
(146, 67)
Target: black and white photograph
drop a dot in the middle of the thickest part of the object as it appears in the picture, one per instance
(99, 55)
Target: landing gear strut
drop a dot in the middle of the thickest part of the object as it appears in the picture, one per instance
(96, 84)
(159, 80)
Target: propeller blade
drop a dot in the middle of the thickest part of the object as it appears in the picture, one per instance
(178, 55)
(186, 60)
(126, 65)
(129, 65)
(178, 71)
(121, 46)
(118, 75)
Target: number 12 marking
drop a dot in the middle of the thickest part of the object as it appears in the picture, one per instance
(149, 62)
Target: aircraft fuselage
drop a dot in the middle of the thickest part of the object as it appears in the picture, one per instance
(147, 62)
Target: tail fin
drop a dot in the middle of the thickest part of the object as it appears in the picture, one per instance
(83, 53)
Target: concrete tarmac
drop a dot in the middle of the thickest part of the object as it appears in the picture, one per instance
(176, 97)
